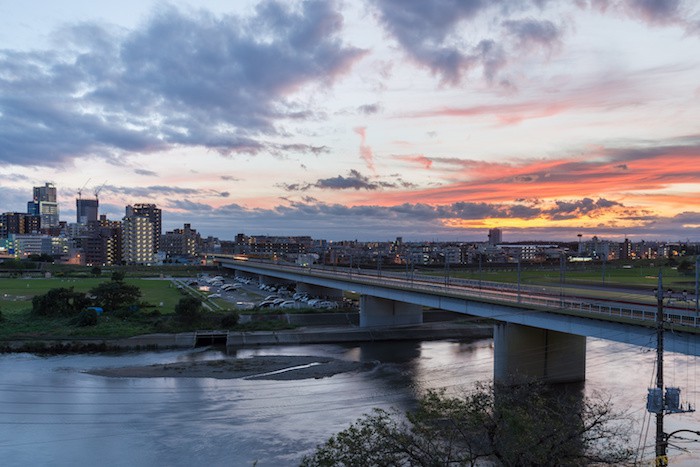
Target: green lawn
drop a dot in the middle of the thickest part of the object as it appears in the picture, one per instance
(642, 277)
(16, 304)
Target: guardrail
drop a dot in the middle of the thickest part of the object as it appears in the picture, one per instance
(520, 295)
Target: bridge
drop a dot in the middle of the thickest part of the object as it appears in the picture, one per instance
(538, 333)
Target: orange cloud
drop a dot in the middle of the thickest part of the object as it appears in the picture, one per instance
(646, 176)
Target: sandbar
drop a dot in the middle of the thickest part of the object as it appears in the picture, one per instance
(270, 367)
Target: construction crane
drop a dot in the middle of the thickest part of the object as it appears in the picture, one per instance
(80, 190)
(97, 190)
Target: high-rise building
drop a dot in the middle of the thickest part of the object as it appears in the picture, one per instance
(153, 214)
(45, 205)
(86, 210)
(137, 239)
(495, 236)
(18, 223)
(182, 242)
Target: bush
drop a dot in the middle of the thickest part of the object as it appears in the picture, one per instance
(59, 302)
(188, 310)
(86, 318)
(229, 320)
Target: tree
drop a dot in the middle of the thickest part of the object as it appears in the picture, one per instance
(118, 276)
(188, 310)
(112, 295)
(525, 425)
(686, 267)
(59, 302)
(96, 271)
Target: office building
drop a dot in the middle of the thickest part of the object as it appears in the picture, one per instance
(86, 210)
(45, 205)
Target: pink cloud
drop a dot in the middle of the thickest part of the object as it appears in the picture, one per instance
(365, 150)
(419, 159)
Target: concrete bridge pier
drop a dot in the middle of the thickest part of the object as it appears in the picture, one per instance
(272, 280)
(375, 311)
(534, 353)
(319, 291)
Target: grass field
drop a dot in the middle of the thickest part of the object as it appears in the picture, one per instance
(16, 304)
(639, 277)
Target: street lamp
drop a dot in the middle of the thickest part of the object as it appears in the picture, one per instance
(520, 254)
(697, 276)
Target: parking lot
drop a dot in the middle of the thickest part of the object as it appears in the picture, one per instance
(249, 294)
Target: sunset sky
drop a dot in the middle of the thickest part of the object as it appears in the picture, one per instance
(431, 120)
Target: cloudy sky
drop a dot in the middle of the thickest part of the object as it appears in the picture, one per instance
(362, 119)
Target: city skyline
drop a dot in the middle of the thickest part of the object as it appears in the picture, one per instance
(360, 120)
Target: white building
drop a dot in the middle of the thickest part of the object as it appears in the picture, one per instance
(137, 240)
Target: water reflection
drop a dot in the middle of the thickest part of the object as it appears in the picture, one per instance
(53, 413)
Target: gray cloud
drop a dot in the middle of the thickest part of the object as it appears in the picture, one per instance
(655, 11)
(412, 221)
(431, 34)
(145, 172)
(531, 33)
(369, 109)
(191, 79)
(188, 205)
(353, 181)
(574, 209)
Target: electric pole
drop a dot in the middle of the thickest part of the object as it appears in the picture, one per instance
(662, 401)
(661, 442)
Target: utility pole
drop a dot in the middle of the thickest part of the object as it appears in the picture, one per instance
(661, 441)
(660, 401)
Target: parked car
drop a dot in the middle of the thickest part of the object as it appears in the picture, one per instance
(288, 304)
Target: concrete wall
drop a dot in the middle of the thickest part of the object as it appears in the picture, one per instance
(376, 311)
(534, 353)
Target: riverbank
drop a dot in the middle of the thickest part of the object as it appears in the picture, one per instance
(311, 329)
(305, 335)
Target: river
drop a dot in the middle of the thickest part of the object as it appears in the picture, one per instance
(53, 413)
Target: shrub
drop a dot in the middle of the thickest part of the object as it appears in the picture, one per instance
(59, 302)
(229, 320)
(86, 318)
(188, 310)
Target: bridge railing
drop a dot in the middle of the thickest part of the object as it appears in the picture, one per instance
(496, 291)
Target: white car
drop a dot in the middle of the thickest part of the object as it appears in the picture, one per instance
(288, 304)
